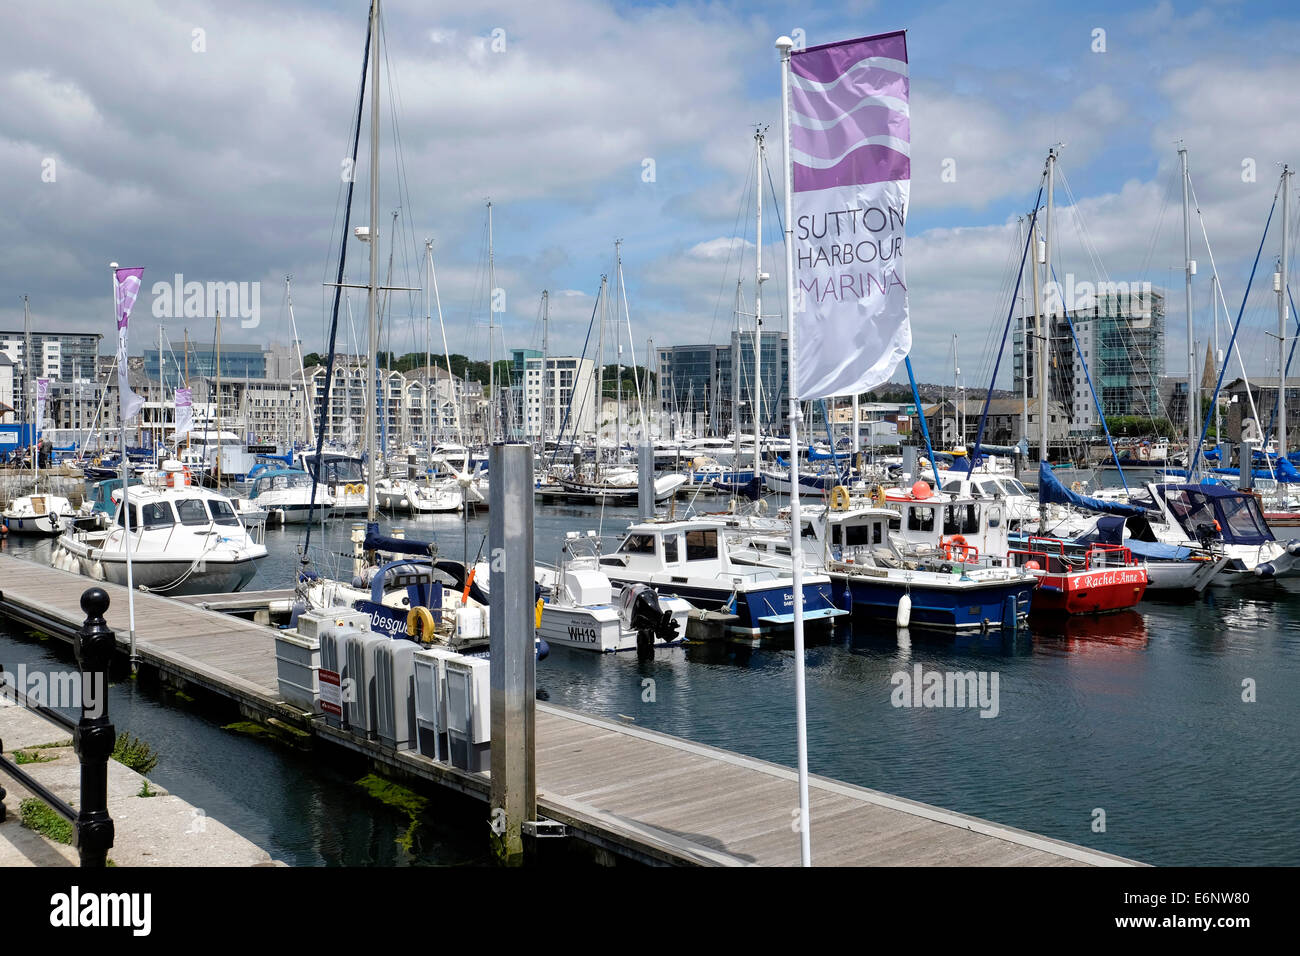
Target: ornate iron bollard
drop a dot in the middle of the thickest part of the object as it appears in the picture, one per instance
(94, 736)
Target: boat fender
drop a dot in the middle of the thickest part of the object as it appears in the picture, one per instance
(839, 498)
(1265, 570)
(1293, 546)
(97, 571)
(537, 613)
(904, 616)
(419, 623)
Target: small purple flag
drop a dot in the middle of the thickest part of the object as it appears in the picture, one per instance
(126, 286)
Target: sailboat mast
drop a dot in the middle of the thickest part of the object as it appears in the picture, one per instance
(218, 470)
(618, 357)
(302, 371)
(759, 278)
(546, 357)
(373, 301)
(1024, 340)
(492, 344)
(1282, 316)
(735, 388)
(428, 322)
(1045, 381)
(29, 393)
(1214, 301)
(1193, 405)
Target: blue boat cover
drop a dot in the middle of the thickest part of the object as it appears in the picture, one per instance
(1051, 491)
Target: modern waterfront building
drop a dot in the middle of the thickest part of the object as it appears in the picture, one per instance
(695, 384)
(563, 393)
(1120, 334)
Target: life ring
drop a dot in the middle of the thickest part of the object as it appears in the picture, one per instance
(958, 549)
(419, 623)
(878, 495)
(839, 498)
(1144, 452)
(1076, 487)
(353, 489)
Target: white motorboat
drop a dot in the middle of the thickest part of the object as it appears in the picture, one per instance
(582, 609)
(417, 497)
(287, 494)
(183, 539)
(39, 514)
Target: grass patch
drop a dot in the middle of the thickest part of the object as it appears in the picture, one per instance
(55, 745)
(26, 756)
(399, 798)
(146, 790)
(134, 753)
(38, 816)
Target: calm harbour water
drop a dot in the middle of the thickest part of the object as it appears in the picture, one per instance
(1140, 715)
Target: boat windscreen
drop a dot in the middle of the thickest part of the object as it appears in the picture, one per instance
(1242, 522)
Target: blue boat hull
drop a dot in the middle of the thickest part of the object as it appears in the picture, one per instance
(988, 607)
(761, 609)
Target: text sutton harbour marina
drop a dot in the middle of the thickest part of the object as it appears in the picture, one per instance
(553, 437)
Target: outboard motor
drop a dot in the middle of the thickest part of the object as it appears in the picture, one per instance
(638, 609)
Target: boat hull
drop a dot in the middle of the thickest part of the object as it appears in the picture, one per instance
(951, 607)
(1090, 592)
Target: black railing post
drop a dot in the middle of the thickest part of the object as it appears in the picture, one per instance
(94, 736)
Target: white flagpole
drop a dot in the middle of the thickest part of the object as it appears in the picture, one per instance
(784, 45)
(126, 484)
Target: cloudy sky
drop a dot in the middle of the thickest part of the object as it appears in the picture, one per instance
(207, 139)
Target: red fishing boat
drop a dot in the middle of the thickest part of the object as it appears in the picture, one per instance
(1081, 580)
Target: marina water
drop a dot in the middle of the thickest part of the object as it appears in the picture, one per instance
(1167, 734)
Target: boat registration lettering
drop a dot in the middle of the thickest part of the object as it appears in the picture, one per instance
(582, 635)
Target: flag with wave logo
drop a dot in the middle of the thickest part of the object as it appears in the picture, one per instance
(184, 413)
(126, 286)
(851, 168)
(42, 396)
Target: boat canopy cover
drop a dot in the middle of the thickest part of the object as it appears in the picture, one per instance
(1110, 530)
(1051, 491)
(378, 542)
(1236, 513)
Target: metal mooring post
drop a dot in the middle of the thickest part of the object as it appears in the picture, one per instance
(513, 658)
(94, 736)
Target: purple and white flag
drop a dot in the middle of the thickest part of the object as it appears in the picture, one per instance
(42, 394)
(850, 153)
(184, 413)
(126, 286)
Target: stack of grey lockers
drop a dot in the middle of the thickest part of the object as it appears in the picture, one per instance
(469, 703)
(431, 701)
(331, 628)
(395, 693)
(359, 703)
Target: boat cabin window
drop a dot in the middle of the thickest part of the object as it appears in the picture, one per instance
(856, 535)
(222, 513)
(806, 530)
(990, 488)
(156, 514)
(670, 549)
(192, 512)
(961, 519)
(702, 545)
(920, 519)
(638, 544)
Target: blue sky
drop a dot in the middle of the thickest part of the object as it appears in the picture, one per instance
(222, 164)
